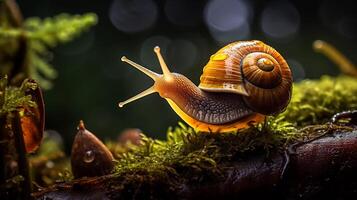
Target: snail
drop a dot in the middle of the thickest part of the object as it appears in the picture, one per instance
(241, 84)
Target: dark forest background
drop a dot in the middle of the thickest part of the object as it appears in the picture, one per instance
(92, 79)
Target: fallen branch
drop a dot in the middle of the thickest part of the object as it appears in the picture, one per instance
(322, 168)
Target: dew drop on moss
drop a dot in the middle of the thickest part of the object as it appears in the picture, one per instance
(88, 156)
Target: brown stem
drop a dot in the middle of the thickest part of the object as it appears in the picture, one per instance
(15, 58)
(345, 65)
(22, 159)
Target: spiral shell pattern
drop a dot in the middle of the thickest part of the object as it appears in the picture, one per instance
(252, 69)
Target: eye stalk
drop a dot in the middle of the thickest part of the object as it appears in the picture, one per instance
(165, 69)
(153, 75)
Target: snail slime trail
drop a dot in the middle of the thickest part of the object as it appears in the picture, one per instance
(241, 84)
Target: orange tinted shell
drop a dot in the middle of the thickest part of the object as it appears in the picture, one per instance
(252, 69)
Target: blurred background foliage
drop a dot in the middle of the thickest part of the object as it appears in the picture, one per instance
(92, 79)
(29, 43)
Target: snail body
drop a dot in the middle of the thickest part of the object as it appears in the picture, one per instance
(241, 83)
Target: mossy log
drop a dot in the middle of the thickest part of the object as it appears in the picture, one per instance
(323, 168)
(247, 164)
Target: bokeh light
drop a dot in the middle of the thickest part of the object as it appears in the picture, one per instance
(183, 53)
(296, 69)
(228, 20)
(183, 12)
(134, 15)
(280, 20)
(239, 33)
(178, 53)
(147, 55)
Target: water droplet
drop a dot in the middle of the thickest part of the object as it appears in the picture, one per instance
(88, 156)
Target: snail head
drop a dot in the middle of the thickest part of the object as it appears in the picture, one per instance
(165, 84)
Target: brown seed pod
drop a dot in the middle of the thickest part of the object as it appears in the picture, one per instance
(33, 120)
(89, 157)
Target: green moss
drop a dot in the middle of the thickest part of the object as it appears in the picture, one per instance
(59, 29)
(312, 102)
(12, 98)
(316, 101)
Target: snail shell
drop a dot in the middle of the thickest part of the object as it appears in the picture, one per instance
(252, 69)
